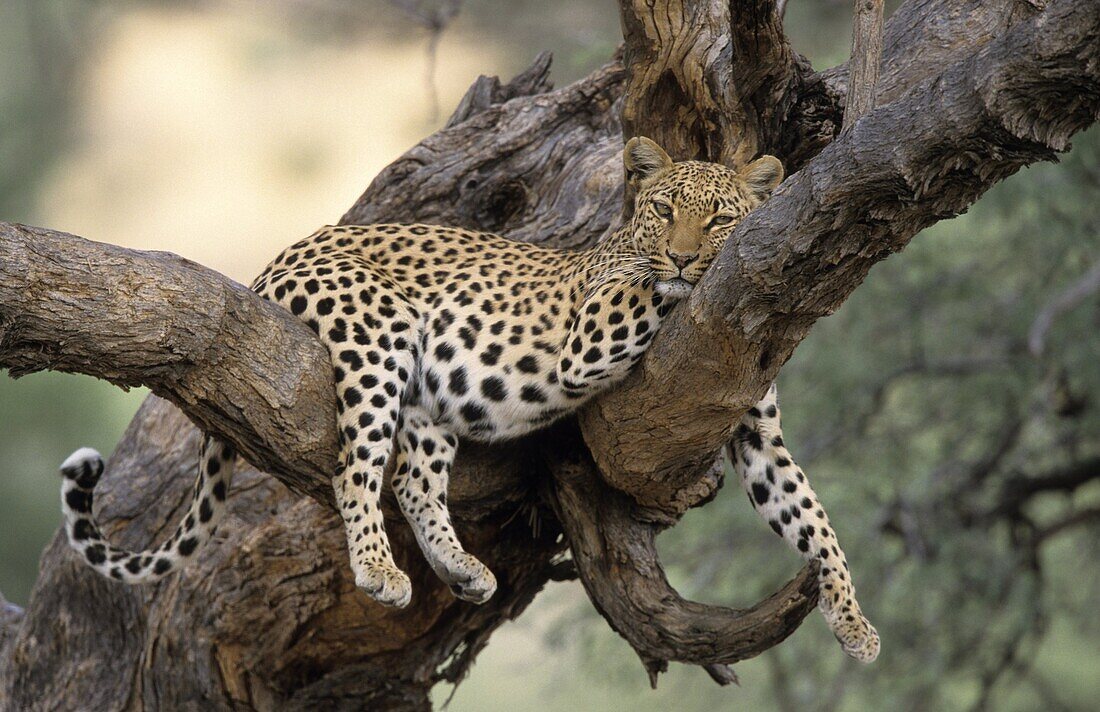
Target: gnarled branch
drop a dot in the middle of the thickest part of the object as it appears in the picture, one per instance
(719, 81)
(237, 365)
(615, 552)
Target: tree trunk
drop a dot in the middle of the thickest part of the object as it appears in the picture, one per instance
(268, 617)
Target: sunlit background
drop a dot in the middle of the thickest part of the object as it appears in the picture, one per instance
(951, 428)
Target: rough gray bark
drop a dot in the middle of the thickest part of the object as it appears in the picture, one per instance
(268, 618)
(155, 319)
(866, 58)
(737, 87)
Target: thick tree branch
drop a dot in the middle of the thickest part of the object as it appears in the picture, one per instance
(237, 365)
(496, 171)
(488, 91)
(923, 37)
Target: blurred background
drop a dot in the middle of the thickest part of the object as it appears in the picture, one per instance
(948, 414)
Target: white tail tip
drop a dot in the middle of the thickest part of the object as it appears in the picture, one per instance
(78, 458)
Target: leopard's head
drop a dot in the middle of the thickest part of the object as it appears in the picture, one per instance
(683, 212)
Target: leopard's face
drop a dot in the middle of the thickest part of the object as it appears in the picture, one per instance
(684, 212)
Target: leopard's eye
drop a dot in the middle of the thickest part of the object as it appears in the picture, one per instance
(663, 209)
(719, 221)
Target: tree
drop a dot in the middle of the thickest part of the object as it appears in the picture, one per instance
(269, 617)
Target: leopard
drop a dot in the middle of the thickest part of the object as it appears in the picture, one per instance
(443, 334)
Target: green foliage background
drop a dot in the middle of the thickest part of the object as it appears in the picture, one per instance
(916, 411)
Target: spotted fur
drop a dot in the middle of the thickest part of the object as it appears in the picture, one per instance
(779, 491)
(440, 333)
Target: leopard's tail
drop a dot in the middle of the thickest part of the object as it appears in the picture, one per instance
(81, 472)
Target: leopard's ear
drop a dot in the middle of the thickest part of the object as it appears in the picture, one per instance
(762, 176)
(644, 160)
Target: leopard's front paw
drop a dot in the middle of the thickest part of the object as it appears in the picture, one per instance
(856, 635)
(385, 583)
(468, 578)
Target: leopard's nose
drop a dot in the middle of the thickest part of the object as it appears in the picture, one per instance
(681, 259)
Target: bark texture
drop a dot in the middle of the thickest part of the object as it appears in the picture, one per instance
(268, 617)
(201, 341)
(866, 57)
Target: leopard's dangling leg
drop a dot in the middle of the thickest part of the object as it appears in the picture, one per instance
(425, 453)
(372, 345)
(780, 492)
